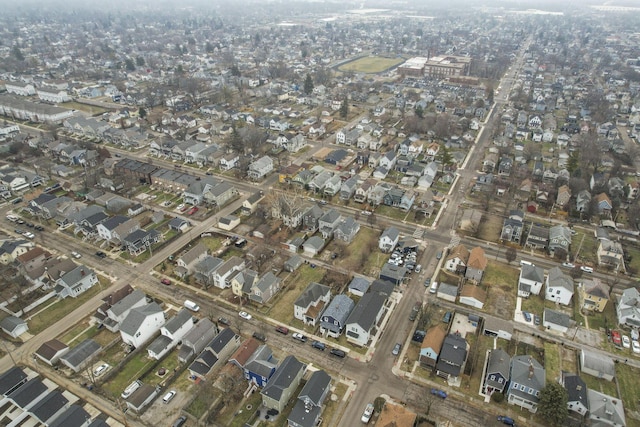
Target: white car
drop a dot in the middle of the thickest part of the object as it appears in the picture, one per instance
(28, 235)
(626, 342)
(367, 414)
(100, 369)
(167, 397)
(244, 315)
(635, 346)
(75, 254)
(180, 206)
(568, 265)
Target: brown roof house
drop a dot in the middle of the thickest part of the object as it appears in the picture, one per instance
(431, 346)
(476, 264)
(473, 295)
(457, 259)
(51, 351)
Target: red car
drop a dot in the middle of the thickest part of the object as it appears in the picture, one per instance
(616, 338)
(165, 281)
(282, 330)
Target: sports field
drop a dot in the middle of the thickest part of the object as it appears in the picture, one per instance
(371, 64)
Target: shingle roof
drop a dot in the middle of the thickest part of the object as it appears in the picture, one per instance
(365, 312)
(311, 294)
(83, 351)
(136, 317)
(282, 378)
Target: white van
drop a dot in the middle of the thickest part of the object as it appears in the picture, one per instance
(191, 305)
(12, 218)
(434, 288)
(129, 390)
(525, 262)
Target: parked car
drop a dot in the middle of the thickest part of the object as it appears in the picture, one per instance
(131, 388)
(427, 282)
(260, 336)
(244, 315)
(165, 282)
(282, 330)
(224, 321)
(586, 269)
(635, 346)
(527, 316)
(396, 349)
(536, 319)
(568, 265)
(39, 228)
(167, 397)
(506, 420)
(415, 311)
(100, 369)
(447, 317)
(192, 210)
(439, 255)
(626, 342)
(440, 393)
(299, 337)
(179, 422)
(616, 338)
(75, 254)
(101, 254)
(318, 345)
(418, 268)
(367, 414)
(337, 352)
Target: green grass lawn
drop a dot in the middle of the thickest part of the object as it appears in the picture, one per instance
(597, 384)
(499, 274)
(58, 310)
(243, 415)
(552, 361)
(629, 387)
(588, 246)
(361, 254)
(371, 64)
(295, 284)
(169, 362)
(128, 373)
(598, 321)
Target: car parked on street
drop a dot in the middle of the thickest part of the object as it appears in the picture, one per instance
(260, 336)
(101, 254)
(616, 338)
(318, 345)
(299, 337)
(75, 254)
(282, 329)
(440, 393)
(337, 352)
(506, 420)
(626, 342)
(165, 282)
(244, 315)
(367, 414)
(635, 346)
(396, 349)
(224, 321)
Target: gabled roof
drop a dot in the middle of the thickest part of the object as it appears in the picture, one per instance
(557, 279)
(365, 312)
(282, 378)
(244, 352)
(606, 408)
(477, 259)
(75, 416)
(459, 252)
(127, 302)
(222, 340)
(177, 321)
(434, 338)
(576, 388)
(532, 273)
(49, 349)
(499, 363)
(83, 351)
(46, 408)
(312, 293)
(525, 370)
(391, 233)
(28, 392)
(137, 316)
(556, 317)
(596, 288)
(315, 389)
(10, 379)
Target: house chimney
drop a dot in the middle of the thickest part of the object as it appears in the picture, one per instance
(82, 273)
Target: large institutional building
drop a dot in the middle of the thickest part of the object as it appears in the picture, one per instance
(438, 66)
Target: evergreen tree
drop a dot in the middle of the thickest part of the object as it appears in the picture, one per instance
(444, 156)
(344, 109)
(308, 84)
(553, 404)
(142, 113)
(129, 65)
(18, 53)
(140, 61)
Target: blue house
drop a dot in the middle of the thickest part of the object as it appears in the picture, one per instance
(260, 366)
(334, 318)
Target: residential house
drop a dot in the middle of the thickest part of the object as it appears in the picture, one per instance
(605, 410)
(583, 199)
(473, 295)
(512, 227)
(447, 292)
(594, 294)
(362, 323)
(559, 287)
(347, 230)
(141, 324)
(476, 265)
(119, 309)
(205, 270)
(10, 250)
(259, 364)
(358, 286)
(75, 282)
(250, 205)
(597, 365)
(140, 240)
(389, 239)
(527, 379)
(186, 262)
(576, 388)
(260, 168)
(564, 196)
(311, 218)
(265, 288)
(171, 333)
(80, 355)
(456, 260)
(452, 357)
(313, 246)
(222, 275)
(308, 408)
(496, 327)
(243, 282)
(13, 326)
(538, 237)
(283, 383)
(215, 353)
(328, 223)
(559, 239)
(628, 308)
(604, 204)
(530, 280)
(197, 339)
(556, 321)
(610, 255)
(334, 319)
(497, 373)
(311, 303)
(431, 346)
(393, 273)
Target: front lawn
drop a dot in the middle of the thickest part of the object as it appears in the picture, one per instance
(629, 387)
(128, 373)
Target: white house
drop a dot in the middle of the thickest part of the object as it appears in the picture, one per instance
(628, 308)
(530, 280)
(260, 168)
(559, 287)
(14, 326)
(171, 334)
(361, 323)
(389, 239)
(141, 324)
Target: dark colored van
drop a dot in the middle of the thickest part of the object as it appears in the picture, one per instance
(337, 352)
(259, 336)
(318, 345)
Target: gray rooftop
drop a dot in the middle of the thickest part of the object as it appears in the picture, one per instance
(136, 317)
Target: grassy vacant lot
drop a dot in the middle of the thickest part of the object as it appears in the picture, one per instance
(629, 387)
(500, 281)
(588, 246)
(597, 384)
(371, 64)
(362, 254)
(61, 308)
(293, 286)
(490, 228)
(128, 373)
(552, 361)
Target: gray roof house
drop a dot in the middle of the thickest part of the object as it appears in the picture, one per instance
(265, 288)
(313, 245)
(75, 282)
(358, 286)
(452, 357)
(171, 334)
(577, 393)
(197, 339)
(219, 349)
(334, 318)
(530, 281)
(118, 311)
(306, 412)
(497, 373)
(14, 326)
(559, 238)
(597, 365)
(605, 410)
(12, 379)
(283, 383)
(628, 308)
(347, 230)
(361, 324)
(555, 320)
(559, 287)
(389, 239)
(80, 355)
(141, 324)
(527, 380)
(311, 303)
